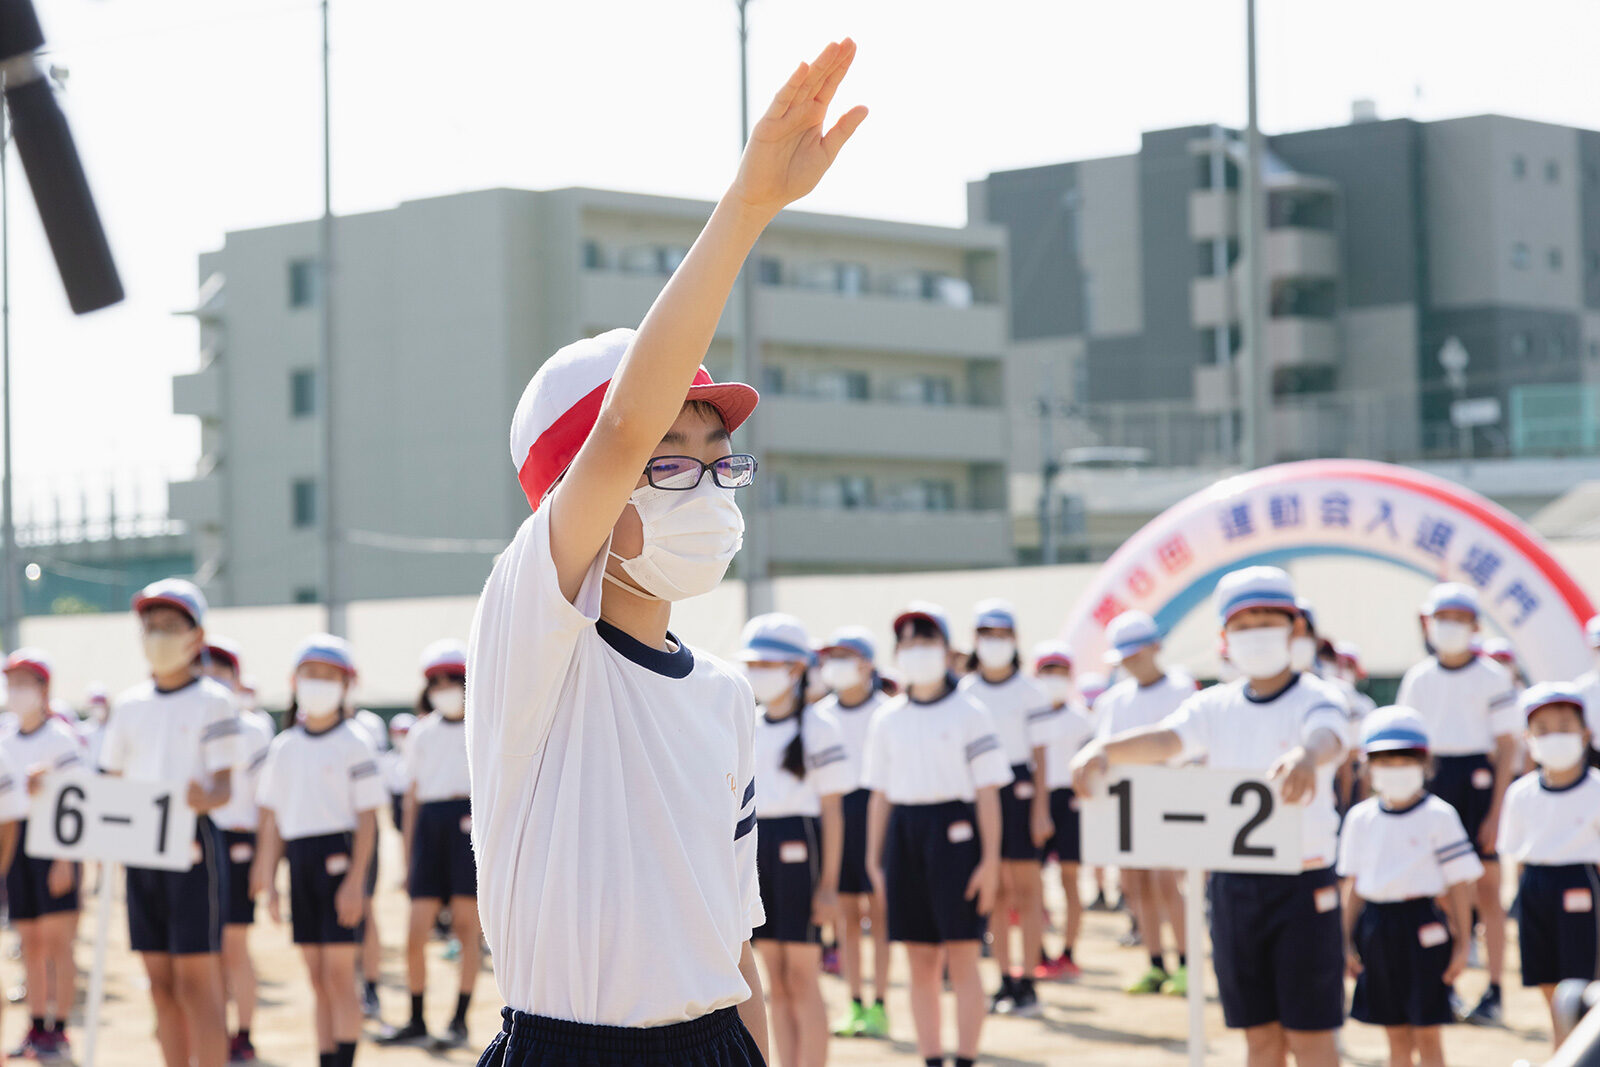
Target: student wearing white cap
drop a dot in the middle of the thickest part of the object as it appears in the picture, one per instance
(239, 820)
(1550, 824)
(42, 894)
(1402, 852)
(1026, 721)
(1277, 942)
(1588, 684)
(437, 826)
(935, 765)
(606, 753)
(1052, 673)
(1469, 705)
(320, 792)
(801, 772)
(857, 695)
(179, 726)
(1145, 698)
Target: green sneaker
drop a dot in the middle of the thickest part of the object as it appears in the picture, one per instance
(875, 1022)
(1149, 982)
(852, 1024)
(1178, 984)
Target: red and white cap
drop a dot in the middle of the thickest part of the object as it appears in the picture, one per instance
(562, 403)
(32, 660)
(446, 656)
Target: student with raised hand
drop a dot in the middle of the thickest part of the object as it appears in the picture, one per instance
(612, 766)
(935, 766)
(1469, 704)
(1052, 672)
(802, 771)
(1278, 946)
(857, 693)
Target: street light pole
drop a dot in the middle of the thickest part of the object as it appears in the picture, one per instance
(1255, 370)
(753, 560)
(8, 530)
(330, 527)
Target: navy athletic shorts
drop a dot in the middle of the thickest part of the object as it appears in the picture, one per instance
(317, 867)
(241, 852)
(181, 912)
(1404, 947)
(28, 885)
(1066, 845)
(853, 866)
(1016, 816)
(1278, 949)
(716, 1040)
(1466, 783)
(1557, 931)
(441, 851)
(929, 857)
(788, 863)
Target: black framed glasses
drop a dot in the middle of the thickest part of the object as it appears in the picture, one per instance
(684, 472)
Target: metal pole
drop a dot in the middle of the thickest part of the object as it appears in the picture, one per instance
(1463, 431)
(8, 529)
(330, 526)
(1255, 369)
(1194, 917)
(747, 364)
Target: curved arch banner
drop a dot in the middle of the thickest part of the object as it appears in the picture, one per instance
(1338, 507)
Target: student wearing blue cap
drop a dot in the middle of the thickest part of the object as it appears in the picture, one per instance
(1550, 824)
(1400, 853)
(856, 694)
(1278, 946)
(1469, 704)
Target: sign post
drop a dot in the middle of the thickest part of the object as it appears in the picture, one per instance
(82, 816)
(1198, 820)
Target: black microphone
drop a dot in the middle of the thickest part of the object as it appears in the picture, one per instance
(55, 173)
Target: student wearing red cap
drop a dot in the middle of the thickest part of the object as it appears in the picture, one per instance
(612, 766)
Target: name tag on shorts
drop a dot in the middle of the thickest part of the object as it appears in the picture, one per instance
(1326, 899)
(792, 852)
(1577, 900)
(959, 832)
(337, 863)
(241, 852)
(1482, 778)
(1022, 790)
(466, 824)
(1431, 935)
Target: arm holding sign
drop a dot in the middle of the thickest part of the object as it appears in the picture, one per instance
(1296, 770)
(1148, 744)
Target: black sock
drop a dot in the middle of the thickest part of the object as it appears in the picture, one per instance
(1066, 954)
(327, 1059)
(244, 1034)
(963, 1061)
(372, 989)
(1494, 987)
(1183, 960)
(857, 1002)
(38, 1022)
(59, 1026)
(878, 1003)
(1157, 961)
(416, 1007)
(462, 1000)
(346, 1054)
(934, 1061)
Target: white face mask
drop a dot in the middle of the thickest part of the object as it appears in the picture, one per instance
(1057, 688)
(1302, 653)
(25, 701)
(690, 537)
(1397, 784)
(168, 653)
(769, 683)
(316, 697)
(1556, 752)
(1449, 637)
(922, 664)
(838, 674)
(996, 652)
(451, 702)
(1260, 653)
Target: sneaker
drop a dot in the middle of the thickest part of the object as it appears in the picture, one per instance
(455, 1036)
(240, 1050)
(875, 1023)
(32, 1043)
(1178, 984)
(1489, 1011)
(369, 1002)
(1059, 969)
(1458, 1007)
(830, 961)
(1100, 903)
(61, 1048)
(1004, 1000)
(412, 1033)
(1149, 982)
(1132, 939)
(452, 949)
(1025, 1001)
(851, 1024)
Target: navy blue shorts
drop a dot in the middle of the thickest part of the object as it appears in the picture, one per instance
(1404, 948)
(317, 867)
(180, 912)
(853, 866)
(28, 885)
(928, 858)
(1066, 845)
(788, 863)
(241, 851)
(715, 1040)
(397, 811)
(1278, 949)
(1016, 816)
(441, 851)
(1557, 930)
(1466, 783)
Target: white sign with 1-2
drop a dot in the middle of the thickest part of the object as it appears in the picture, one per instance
(96, 817)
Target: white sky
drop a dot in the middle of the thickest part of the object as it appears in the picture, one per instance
(201, 116)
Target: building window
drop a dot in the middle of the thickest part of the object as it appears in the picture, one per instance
(302, 393)
(594, 256)
(852, 279)
(1519, 167)
(1558, 348)
(1594, 349)
(671, 258)
(1552, 171)
(1594, 262)
(1519, 255)
(1519, 344)
(770, 270)
(1554, 256)
(303, 282)
(640, 259)
(304, 503)
(306, 595)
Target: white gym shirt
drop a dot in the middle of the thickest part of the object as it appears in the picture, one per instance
(185, 735)
(53, 745)
(1551, 827)
(1075, 729)
(935, 752)
(828, 768)
(1024, 718)
(319, 784)
(1464, 708)
(436, 759)
(1130, 706)
(240, 813)
(1418, 851)
(854, 722)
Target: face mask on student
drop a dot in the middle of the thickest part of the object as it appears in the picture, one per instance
(317, 697)
(1302, 653)
(690, 537)
(840, 674)
(1396, 784)
(1449, 636)
(996, 652)
(1057, 688)
(450, 702)
(1556, 752)
(1260, 653)
(167, 653)
(922, 664)
(769, 683)
(25, 701)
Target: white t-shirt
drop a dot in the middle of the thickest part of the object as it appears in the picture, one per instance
(1551, 827)
(854, 722)
(1131, 706)
(1023, 716)
(436, 759)
(240, 812)
(93, 736)
(933, 753)
(1419, 851)
(372, 728)
(1074, 730)
(53, 745)
(1589, 684)
(318, 784)
(185, 735)
(14, 802)
(1464, 708)
(828, 770)
(1226, 728)
(613, 805)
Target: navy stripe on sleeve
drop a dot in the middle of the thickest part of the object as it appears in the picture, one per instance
(220, 728)
(746, 824)
(1502, 700)
(986, 743)
(364, 769)
(1043, 713)
(66, 759)
(828, 758)
(261, 757)
(749, 794)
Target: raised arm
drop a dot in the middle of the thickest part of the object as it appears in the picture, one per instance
(787, 155)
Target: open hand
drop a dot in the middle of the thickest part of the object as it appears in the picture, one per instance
(1297, 773)
(349, 901)
(984, 886)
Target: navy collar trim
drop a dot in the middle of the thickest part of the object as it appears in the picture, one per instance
(1294, 680)
(177, 689)
(667, 664)
(1413, 806)
(1575, 783)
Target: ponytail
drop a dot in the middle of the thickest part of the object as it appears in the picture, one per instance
(794, 755)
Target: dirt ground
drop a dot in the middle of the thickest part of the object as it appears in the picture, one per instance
(1089, 1023)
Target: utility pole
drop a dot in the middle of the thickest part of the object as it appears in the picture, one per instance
(753, 562)
(332, 596)
(1255, 368)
